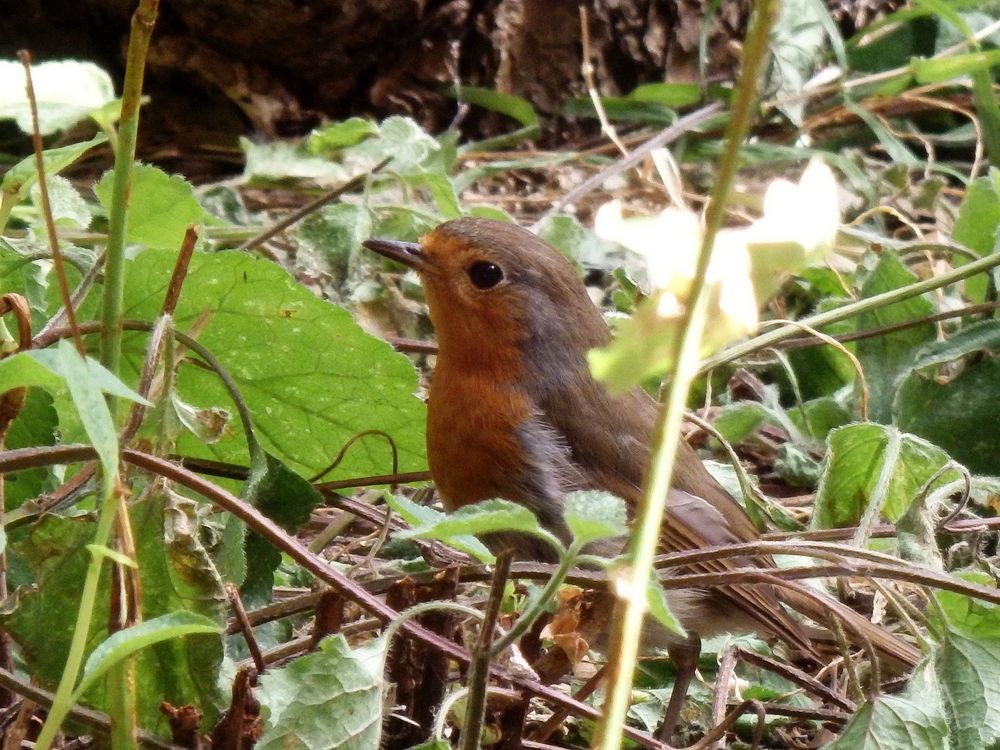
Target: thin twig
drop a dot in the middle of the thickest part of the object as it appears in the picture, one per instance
(727, 666)
(479, 667)
(50, 226)
(98, 720)
(843, 338)
(798, 677)
(179, 273)
(240, 615)
(667, 135)
(312, 206)
(587, 71)
(351, 441)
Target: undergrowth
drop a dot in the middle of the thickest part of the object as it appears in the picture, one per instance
(214, 468)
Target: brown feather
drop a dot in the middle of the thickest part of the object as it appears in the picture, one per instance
(515, 413)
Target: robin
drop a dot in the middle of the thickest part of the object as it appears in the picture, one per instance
(514, 413)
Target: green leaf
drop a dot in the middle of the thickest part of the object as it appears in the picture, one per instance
(160, 207)
(894, 146)
(443, 193)
(19, 178)
(894, 723)
(326, 700)
(338, 135)
(736, 422)
(420, 516)
(412, 149)
(285, 497)
(886, 357)
(506, 104)
(904, 34)
(329, 241)
(979, 215)
(797, 43)
(126, 642)
(54, 551)
(62, 369)
(648, 111)
(592, 515)
(674, 95)
(966, 667)
(968, 671)
(68, 207)
(796, 466)
(280, 160)
(55, 361)
(91, 407)
(981, 336)
(310, 376)
(177, 574)
(818, 416)
(66, 92)
(974, 617)
(854, 462)
(659, 608)
(940, 69)
(643, 346)
(962, 415)
(822, 370)
(482, 518)
(977, 226)
(35, 426)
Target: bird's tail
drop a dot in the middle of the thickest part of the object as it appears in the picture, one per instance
(859, 630)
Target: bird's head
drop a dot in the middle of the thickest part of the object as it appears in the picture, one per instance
(496, 289)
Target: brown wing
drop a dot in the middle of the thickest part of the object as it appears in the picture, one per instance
(700, 513)
(609, 442)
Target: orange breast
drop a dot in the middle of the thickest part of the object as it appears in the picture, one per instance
(472, 440)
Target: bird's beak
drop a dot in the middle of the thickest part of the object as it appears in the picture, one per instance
(408, 253)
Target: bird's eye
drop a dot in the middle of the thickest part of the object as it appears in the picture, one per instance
(485, 275)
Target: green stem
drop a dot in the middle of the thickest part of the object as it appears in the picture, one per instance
(537, 606)
(122, 699)
(849, 311)
(61, 703)
(114, 264)
(628, 635)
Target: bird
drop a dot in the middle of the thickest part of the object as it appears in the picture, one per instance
(514, 412)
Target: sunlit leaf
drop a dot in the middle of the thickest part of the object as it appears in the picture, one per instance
(66, 91)
(854, 463)
(330, 699)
